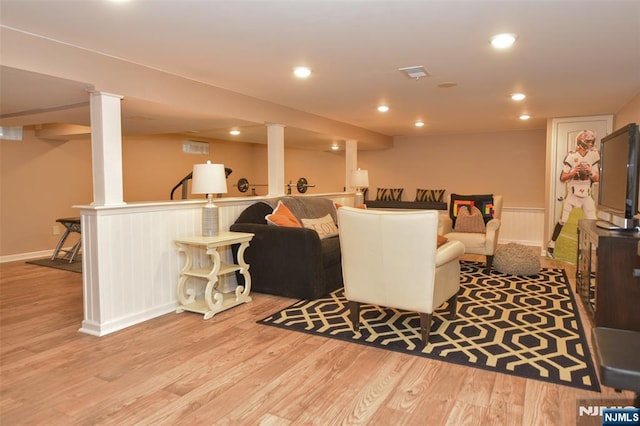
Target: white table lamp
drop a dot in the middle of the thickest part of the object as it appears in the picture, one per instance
(359, 179)
(209, 179)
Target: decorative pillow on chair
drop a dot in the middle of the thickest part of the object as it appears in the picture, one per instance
(430, 195)
(389, 194)
(484, 203)
(470, 220)
(324, 226)
(282, 216)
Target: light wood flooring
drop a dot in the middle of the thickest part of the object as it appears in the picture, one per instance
(180, 369)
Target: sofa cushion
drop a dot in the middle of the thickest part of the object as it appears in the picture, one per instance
(255, 213)
(324, 226)
(483, 202)
(290, 262)
(419, 205)
(282, 216)
(307, 207)
(432, 195)
(472, 242)
(331, 254)
(389, 194)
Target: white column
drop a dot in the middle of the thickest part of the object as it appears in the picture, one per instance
(275, 158)
(106, 148)
(350, 162)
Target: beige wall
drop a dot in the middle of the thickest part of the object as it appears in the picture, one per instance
(325, 170)
(41, 180)
(152, 166)
(630, 113)
(507, 163)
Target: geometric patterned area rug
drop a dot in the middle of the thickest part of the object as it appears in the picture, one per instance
(522, 326)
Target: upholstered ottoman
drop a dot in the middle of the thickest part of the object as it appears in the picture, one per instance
(516, 259)
(616, 352)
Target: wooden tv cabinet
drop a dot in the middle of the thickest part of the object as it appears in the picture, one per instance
(608, 276)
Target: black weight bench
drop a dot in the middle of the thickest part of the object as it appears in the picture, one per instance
(618, 355)
(71, 224)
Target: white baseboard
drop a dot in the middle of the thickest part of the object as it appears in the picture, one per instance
(99, 330)
(26, 256)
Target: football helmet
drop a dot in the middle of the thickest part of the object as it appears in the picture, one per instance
(586, 139)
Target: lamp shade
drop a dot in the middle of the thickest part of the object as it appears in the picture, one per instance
(209, 179)
(360, 178)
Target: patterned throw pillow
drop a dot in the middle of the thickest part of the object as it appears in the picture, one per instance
(389, 194)
(470, 220)
(484, 203)
(282, 216)
(430, 195)
(324, 226)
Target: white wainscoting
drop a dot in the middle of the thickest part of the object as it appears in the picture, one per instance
(130, 263)
(131, 266)
(523, 225)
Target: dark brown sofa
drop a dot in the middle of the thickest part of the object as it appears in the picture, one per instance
(291, 262)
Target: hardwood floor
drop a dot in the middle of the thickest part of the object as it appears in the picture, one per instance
(180, 369)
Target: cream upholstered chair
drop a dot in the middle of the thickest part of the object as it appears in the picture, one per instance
(390, 258)
(477, 243)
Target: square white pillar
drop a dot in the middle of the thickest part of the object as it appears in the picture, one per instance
(275, 156)
(106, 148)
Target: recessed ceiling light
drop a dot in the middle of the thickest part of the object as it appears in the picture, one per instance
(502, 41)
(383, 108)
(302, 72)
(335, 147)
(234, 132)
(525, 117)
(419, 123)
(518, 96)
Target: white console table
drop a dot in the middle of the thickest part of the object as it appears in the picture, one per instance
(214, 300)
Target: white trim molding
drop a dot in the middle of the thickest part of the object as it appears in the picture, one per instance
(522, 225)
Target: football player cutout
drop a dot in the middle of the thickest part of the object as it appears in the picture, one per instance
(579, 170)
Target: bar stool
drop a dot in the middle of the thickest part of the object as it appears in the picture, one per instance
(71, 224)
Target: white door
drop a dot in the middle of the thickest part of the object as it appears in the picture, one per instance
(563, 136)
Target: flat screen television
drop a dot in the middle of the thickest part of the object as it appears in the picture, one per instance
(618, 185)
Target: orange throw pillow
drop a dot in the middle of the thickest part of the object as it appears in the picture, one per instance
(282, 216)
(441, 240)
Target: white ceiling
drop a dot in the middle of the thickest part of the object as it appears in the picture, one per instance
(572, 58)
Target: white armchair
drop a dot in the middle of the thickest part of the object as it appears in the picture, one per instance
(476, 243)
(390, 258)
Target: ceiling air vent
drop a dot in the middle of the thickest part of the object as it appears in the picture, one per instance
(195, 147)
(416, 72)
